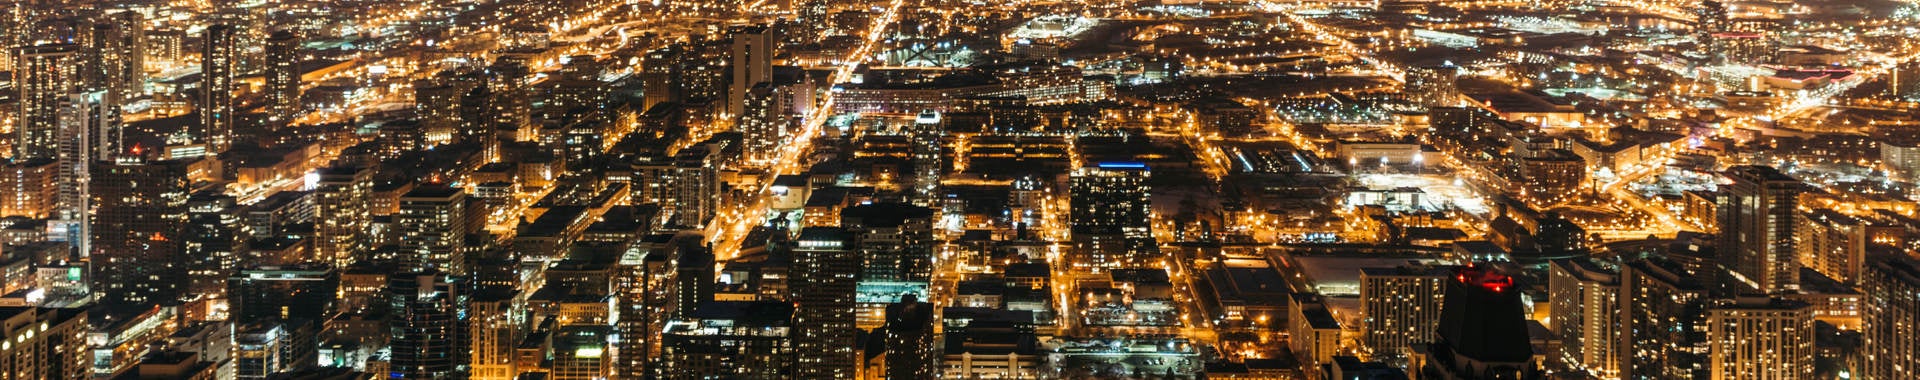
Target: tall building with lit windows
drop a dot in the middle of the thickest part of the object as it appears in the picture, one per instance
(825, 273)
(139, 224)
(219, 60)
(747, 340)
(1399, 307)
(1112, 213)
(283, 76)
(1890, 319)
(432, 224)
(47, 77)
(44, 343)
(1585, 298)
(750, 64)
(1760, 338)
(428, 325)
(1757, 215)
(341, 214)
(1665, 332)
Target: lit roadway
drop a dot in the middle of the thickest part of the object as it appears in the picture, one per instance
(730, 226)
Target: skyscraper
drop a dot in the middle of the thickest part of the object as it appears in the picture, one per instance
(1665, 331)
(433, 229)
(1482, 332)
(1756, 215)
(750, 62)
(1831, 243)
(47, 343)
(1112, 213)
(895, 240)
(1400, 306)
(1433, 86)
(47, 77)
(138, 229)
(428, 326)
(825, 271)
(1760, 338)
(218, 61)
(762, 123)
(303, 292)
(341, 214)
(283, 76)
(1891, 318)
(731, 339)
(1586, 311)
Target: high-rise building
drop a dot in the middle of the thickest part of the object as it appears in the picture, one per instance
(1890, 319)
(213, 242)
(1665, 332)
(432, 223)
(927, 153)
(747, 340)
(494, 332)
(303, 292)
(1586, 311)
(1433, 86)
(341, 214)
(1112, 213)
(138, 227)
(47, 77)
(750, 62)
(693, 280)
(45, 343)
(1482, 332)
(1756, 217)
(1904, 81)
(910, 348)
(510, 98)
(1760, 338)
(659, 70)
(1399, 307)
(219, 58)
(814, 23)
(687, 186)
(825, 271)
(895, 240)
(1831, 243)
(428, 326)
(27, 188)
(763, 123)
(283, 76)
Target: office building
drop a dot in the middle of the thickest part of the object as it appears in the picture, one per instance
(290, 293)
(747, 340)
(825, 271)
(45, 343)
(750, 64)
(428, 326)
(1482, 332)
(432, 223)
(220, 58)
(47, 77)
(283, 76)
(213, 242)
(138, 228)
(1400, 306)
(1890, 318)
(1112, 214)
(1665, 331)
(895, 240)
(1760, 338)
(1585, 303)
(909, 340)
(1756, 215)
(1831, 243)
(341, 214)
